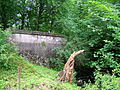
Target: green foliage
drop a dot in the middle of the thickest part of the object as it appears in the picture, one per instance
(2, 84)
(104, 82)
(92, 25)
(9, 58)
(116, 71)
(33, 77)
(7, 13)
(43, 43)
(30, 14)
(56, 63)
(95, 27)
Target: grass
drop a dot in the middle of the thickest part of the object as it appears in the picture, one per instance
(33, 77)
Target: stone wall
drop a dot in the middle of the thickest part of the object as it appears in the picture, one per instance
(36, 46)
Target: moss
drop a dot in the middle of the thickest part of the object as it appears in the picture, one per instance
(43, 43)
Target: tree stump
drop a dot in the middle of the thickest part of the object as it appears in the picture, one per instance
(66, 74)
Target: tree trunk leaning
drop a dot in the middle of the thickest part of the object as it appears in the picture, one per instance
(66, 74)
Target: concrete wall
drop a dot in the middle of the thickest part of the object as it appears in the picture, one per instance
(36, 46)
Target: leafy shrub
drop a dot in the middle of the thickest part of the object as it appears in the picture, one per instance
(56, 63)
(9, 58)
(104, 82)
(116, 71)
(2, 85)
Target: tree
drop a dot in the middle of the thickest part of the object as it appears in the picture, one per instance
(30, 14)
(94, 27)
(7, 13)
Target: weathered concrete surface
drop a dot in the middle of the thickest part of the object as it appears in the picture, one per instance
(37, 47)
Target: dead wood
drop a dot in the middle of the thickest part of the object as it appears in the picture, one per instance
(66, 74)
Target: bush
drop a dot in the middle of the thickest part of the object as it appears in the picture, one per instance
(116, 71)
(9, 57)
(104, 82)
(56, 63)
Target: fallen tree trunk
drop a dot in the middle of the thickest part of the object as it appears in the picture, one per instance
(66, 74)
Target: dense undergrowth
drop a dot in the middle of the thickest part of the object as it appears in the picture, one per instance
(92, 25)
(9, 57)
(95, 27)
